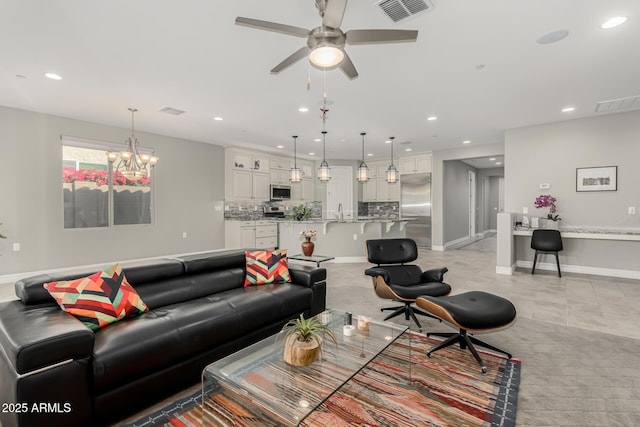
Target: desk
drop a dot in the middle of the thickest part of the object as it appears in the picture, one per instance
(313, 258)
(612, 252)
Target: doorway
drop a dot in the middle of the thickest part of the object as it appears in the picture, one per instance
(472, 204)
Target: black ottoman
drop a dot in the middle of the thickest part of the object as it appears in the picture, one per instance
(470, 311)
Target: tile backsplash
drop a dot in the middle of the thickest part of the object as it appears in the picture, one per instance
(251, 211)
(379, 209)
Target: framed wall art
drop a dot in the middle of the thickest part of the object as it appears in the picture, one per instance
(604, 178)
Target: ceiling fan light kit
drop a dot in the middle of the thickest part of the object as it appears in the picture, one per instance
(325, 44)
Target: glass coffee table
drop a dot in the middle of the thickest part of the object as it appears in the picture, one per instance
(254, 386)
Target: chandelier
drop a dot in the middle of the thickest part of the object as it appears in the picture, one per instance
(363, 170)
(295, 173)
(132, 164)
(392, 172)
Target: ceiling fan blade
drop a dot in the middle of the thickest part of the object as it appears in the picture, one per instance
(348, 68)
(380, 36)
(291, 59)
(272, 26)
(333, 13)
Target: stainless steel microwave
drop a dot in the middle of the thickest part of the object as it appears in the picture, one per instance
(280, 192)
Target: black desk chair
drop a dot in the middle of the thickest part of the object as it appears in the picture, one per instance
(396, 280)
(546, 242)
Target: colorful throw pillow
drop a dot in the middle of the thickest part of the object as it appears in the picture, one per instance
(100, 299)
(266, 267)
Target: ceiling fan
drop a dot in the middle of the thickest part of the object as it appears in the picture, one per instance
(325, 44)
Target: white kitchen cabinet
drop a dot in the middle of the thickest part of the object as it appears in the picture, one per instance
(280, 163)
(280, 177)
(386, 192)
(370, 190)
(247, 160)
(303, 190)
(415, 164)
(251, 234)
(246, 184)
(377, 189)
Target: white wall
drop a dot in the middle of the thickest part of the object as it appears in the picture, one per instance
(550, 154)
(189, 183)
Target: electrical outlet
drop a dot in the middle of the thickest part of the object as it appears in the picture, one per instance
(184, 234)
(16, 247)
(525, 210)
(632, 210)
(355, 236)
(226, 208)
(239, 208)
(255, 208)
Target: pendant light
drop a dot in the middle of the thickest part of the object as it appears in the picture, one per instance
(296, 173)
(363, 170)
(392, 172)
(132, 164)
(324, 171)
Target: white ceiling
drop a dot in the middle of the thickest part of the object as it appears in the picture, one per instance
(189, 55)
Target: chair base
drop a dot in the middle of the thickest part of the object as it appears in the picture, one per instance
(535, 260)
(466, 341)
(409, 313)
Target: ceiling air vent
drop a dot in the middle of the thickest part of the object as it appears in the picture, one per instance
(173, 111)
(398, 10)
(629, 103)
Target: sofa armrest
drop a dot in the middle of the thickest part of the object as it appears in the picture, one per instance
(433, 275)
(307, 276)
(39, 336)
(376, 271)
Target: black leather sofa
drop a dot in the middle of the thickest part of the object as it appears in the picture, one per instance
(56, 371)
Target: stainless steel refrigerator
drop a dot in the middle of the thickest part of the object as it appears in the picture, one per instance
(415, 203)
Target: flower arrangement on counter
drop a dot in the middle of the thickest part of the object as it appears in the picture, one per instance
(548, 201)
(308, 234)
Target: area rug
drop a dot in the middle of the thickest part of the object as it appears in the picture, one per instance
(447, 389)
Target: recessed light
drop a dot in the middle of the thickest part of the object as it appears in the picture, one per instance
(498, 163)
(53, 76)
(369, 154)
(312, 154)
(317, 140)
(492, 159)
(432, 118)
(279, 146)
(466, 141)
(568, 109)
(552, 37)
(614, 22)
(303, 109)
(408, 149)
(218, 118)
(388, 141)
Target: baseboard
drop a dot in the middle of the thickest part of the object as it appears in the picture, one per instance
(506, 270)
(437, 248)
(457, 241)
(581, 269)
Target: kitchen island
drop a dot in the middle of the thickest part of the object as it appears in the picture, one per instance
(342, 239)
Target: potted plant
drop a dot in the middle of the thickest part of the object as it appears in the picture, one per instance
(303, 340)
(308, 246)
(548, 201)
(300, 213)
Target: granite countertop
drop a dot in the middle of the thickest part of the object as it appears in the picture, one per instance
(590, 230)
(327, 220)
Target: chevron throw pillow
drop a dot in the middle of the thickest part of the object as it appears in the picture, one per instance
(100, 299)
(266, 267)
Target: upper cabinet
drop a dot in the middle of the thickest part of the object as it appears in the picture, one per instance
(377, 189)
(246, 160)
(415, 164)
(247, 175)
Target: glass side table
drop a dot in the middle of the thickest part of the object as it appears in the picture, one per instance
(313, 258)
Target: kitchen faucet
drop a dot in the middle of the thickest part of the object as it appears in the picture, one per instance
(340, 213)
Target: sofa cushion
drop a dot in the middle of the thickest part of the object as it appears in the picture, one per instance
(100, 299)
(126, 351)
(266, 267)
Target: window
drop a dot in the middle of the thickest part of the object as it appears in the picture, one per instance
(96, 196)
